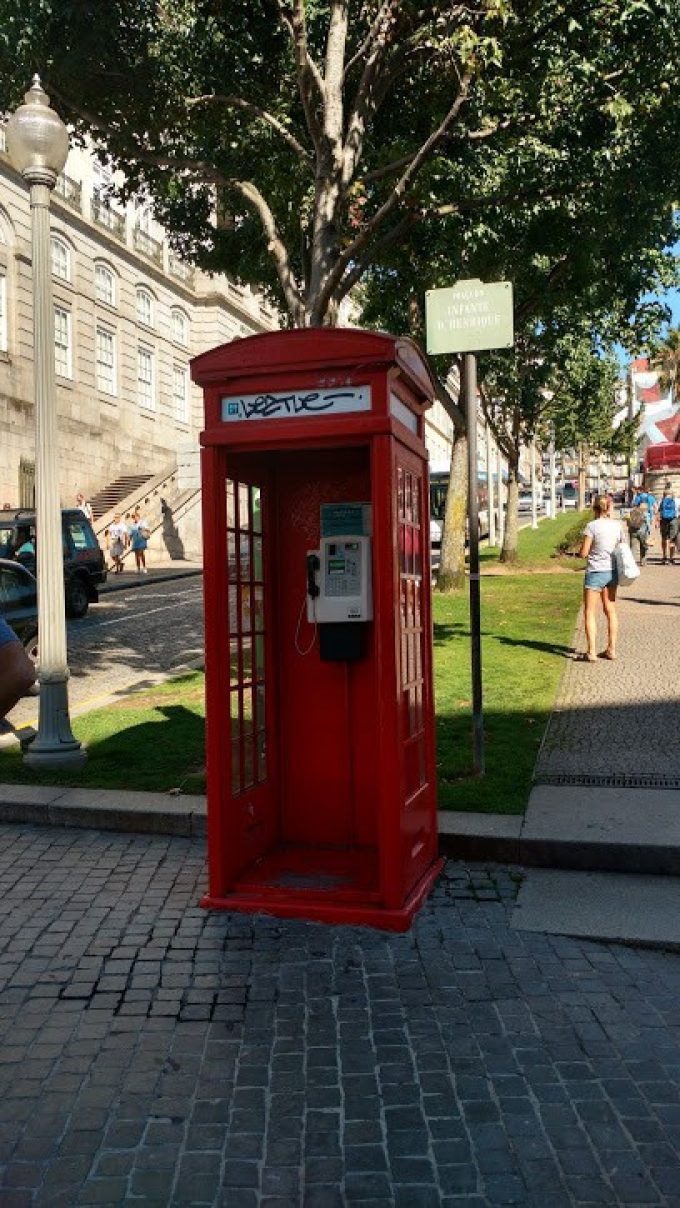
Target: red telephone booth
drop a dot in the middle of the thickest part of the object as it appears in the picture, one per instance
(320, 724)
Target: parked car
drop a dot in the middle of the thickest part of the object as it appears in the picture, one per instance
(524, 501)
(84, 564)
(569, 495)
(19, 603)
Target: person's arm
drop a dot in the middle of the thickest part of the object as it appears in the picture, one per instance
(17, 674)
(586, 546)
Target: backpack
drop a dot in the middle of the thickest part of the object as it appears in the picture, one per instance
(667, 508)
(637, 520)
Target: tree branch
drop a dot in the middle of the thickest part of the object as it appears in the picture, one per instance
(501, 435)
(371, 254)
(335, 58)
(238, 102)
(292, 20)
(275, 246)
(388, 169)
(558, 269)
(360, 53)
(494, 199)
(350, 253)
(367, 97)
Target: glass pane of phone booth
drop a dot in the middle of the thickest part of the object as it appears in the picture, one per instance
(247, 688)
(409, 489)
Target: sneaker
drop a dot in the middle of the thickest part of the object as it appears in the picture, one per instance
(145, 571)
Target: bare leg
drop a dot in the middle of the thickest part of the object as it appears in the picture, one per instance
(609, 605)
(590, 620)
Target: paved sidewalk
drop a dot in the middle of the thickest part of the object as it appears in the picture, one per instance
(607, 792)
(160, 572)
(158, 1054)
(622, 719)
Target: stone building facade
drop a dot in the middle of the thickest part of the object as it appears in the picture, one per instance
(128, 318)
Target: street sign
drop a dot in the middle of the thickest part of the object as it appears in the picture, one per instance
(469, 316)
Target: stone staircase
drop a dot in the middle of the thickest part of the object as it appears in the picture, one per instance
(172, 513)
(114, 494)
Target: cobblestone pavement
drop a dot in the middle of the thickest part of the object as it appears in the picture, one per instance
(153, 1053)
(623, 718)
(130, 638)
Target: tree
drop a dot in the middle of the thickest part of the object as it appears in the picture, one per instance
(318, 148)
(665, 357)
(296, 143)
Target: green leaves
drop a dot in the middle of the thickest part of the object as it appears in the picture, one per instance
(564, 143)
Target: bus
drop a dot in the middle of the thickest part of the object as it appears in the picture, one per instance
(439, 485)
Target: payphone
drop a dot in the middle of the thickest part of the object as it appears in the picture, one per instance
(341, 581)
(320, 718)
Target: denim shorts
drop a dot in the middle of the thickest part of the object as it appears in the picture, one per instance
(597, 579)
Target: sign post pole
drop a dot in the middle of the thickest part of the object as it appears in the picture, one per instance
(470, 392)
(467, 318)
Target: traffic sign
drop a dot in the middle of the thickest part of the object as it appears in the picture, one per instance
(470, 316)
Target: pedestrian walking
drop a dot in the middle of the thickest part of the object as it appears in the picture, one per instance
(83, 506)
(118, 537)
(638, 532)
(139, 534)
(667, 523)
(649, 499)
(600, 538)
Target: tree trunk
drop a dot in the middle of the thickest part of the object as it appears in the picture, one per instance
(451, 575)
(509, 550)
(583, 466)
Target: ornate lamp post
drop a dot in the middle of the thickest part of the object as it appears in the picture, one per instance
(37, 144)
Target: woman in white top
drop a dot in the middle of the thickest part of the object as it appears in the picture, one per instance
(600, 538)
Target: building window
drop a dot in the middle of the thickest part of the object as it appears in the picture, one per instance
(3, 313)
(145, 376)
(62, 342)
(61, 259)
(106, 361)
(145, 307)
(180, 392)
(104, 285)
(180, 328)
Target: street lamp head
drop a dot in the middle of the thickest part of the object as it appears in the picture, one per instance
(37, 139)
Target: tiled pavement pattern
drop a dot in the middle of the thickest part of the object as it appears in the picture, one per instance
(153, 1053)
(603, 722)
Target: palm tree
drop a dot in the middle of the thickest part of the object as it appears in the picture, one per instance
(666, 360)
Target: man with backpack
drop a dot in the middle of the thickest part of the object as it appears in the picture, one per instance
(638, 531)
(667, 522)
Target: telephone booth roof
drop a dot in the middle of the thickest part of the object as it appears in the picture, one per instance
(315, 348)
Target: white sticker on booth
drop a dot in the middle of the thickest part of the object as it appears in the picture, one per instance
(291, 404)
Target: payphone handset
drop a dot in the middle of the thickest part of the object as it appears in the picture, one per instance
(341, 576)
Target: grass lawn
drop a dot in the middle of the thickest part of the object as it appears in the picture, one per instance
(535, 547)
(527, 624)
(153, 740)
